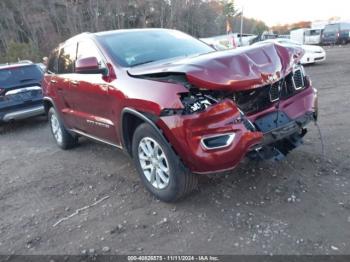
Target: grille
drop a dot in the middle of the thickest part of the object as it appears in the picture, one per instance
(275, 91)
(298, 79)
(252, 101)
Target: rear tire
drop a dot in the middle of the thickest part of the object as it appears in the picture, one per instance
(160, 169)
(63, 138)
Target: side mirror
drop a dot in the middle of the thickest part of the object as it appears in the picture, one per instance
(89, 65)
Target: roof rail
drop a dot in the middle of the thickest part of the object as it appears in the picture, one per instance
(24, 62)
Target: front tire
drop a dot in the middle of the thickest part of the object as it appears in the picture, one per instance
(63, 138)
(160, 169)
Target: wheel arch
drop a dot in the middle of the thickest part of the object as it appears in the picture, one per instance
(48, 103)
(130, 120)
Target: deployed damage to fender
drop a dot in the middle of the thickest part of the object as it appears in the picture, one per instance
(265, 84)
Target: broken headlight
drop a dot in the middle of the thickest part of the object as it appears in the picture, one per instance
(194, 103)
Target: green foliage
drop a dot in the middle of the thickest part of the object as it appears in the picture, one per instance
(228, 7)
(260, 27)
(20, 51)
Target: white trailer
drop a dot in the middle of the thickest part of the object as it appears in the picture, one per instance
(298, 35)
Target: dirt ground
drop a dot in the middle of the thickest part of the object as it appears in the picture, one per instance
(300, 205)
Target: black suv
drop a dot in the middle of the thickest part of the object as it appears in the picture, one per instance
(20, 91)
(338, 33)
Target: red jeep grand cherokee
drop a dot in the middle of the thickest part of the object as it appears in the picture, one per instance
(178, 107)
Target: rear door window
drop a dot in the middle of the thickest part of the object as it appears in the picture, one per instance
(52, 65)
(18, 76)
(66, 59)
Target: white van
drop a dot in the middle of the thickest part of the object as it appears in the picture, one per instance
(312, 36)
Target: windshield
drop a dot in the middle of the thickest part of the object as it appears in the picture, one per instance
(314, 32)
(331, 28)
(139, 47)
(20, 75)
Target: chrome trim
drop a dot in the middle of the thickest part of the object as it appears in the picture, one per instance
(141, 116)
(228, 142)
(301, 69)
(95, 138)
(21, 90)
(24, 113)
(279, 91)
(137, 113)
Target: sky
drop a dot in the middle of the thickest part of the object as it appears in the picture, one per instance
(274, 12)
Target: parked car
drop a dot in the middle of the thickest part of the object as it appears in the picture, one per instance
(176, 106)
(267, 35)
(284, 36)
(229, 41)
(20, 91)
(337, 33)
(313, 54)
(215, 44)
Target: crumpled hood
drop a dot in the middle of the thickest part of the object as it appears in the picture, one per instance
(239, 69)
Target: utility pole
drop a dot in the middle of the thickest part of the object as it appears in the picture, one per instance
(241, 40)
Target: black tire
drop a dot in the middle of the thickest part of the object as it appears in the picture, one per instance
(181, 181)
(67, 140)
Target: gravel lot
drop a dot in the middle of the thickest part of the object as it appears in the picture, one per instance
(300, 205)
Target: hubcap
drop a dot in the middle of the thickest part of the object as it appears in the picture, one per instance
(154, 163)
(56, 129)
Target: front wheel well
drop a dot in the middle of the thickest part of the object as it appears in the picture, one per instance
(129, 124)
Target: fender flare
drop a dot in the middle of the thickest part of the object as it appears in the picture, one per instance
(143, 117)
(49, 99)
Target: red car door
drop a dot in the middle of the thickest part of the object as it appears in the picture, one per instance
(92, 103)
(61, 82)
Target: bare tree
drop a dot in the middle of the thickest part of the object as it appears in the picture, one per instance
(39, 25)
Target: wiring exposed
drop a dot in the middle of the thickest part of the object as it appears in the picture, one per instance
(321, 138)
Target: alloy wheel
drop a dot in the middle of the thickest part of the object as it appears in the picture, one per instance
(56, 128)
(154, 163)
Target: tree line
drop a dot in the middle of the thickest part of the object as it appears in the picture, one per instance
(30, 29)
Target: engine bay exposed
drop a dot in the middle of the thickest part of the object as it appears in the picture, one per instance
(261, 94)
(248, 101)
(281, 134)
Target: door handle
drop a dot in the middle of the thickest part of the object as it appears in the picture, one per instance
(53, 81)
(74, 82)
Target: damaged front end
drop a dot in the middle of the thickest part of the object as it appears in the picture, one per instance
(254, 103)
